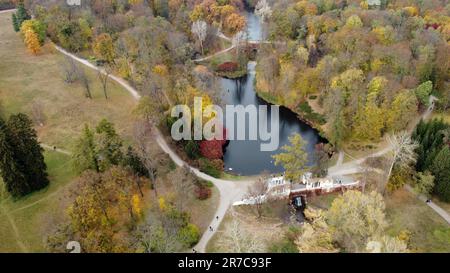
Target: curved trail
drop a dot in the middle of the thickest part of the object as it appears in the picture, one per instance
(229, 190)
(52, 148)
(6, 10)
(353, 166)
(432, 205)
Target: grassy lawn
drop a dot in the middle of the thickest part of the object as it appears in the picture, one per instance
(357, 150)
(31, 215)
(269, 228)
(26, 79)
(404, 211)
(202, 211)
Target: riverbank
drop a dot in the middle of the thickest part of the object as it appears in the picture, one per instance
(313, 123)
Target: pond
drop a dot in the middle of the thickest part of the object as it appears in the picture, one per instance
(244, 157)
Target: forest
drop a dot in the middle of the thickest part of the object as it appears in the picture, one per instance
(363, 70)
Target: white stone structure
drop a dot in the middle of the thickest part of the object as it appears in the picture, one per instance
(278, 187)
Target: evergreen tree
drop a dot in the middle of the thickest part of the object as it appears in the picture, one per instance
(109, 145)
(431, 139)
(28, 151)
(15, 22)
(98, 150)
(11, 170)
(133, 161)
(441, 171)
(21, 161)
(85, 155)
(20, 16)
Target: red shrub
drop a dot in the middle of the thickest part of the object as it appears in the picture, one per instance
(434, 26)
(212, 149)
(227, 67)
(202, 192)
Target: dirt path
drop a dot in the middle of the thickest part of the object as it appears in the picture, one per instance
(52, 148)
(7, 10)
(214, 55)
(353, 167)
(432, 205)
(229, 191)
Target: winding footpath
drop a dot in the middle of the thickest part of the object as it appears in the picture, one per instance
(229, 191)
(354, 166)
(430, 203)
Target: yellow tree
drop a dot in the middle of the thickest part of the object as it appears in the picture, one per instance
(30, 37)
(370, 121)
(402, 110)
(32, 42)
(294, 158)
(234, 23)
(315, 236)
(104, 48)
(136, 205)
(355, 217)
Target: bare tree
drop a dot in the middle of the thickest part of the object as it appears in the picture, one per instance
(143, 137)
(403, 152)
(69, 69)
(155, 238)
(103, 76)
(263, 10)
(183, 186)
(258, 192)
(199, 28)
(236, 239)
(372, 174)
(237, 40)
(37, 113)
(85, 82)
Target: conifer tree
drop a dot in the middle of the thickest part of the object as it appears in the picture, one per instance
(15, 22)
(85, 155)
(20, 16)
(21, 161)
(11, 171)
(441, 171)
(133, 161)
(28, 151)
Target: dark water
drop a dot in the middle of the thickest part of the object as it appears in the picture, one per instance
(253, 26)
(245, 157)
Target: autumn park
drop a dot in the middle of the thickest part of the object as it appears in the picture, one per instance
(225, 126)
